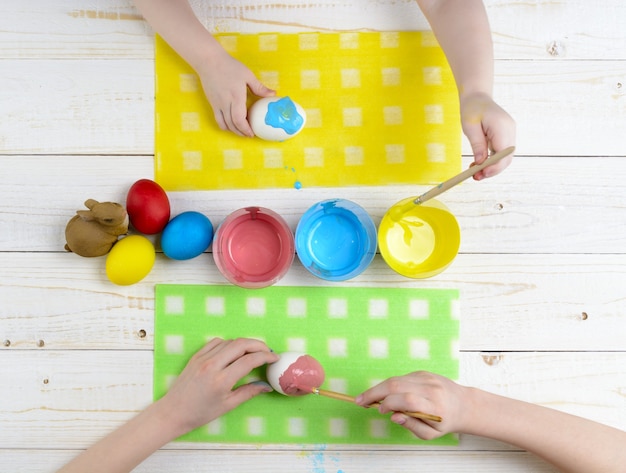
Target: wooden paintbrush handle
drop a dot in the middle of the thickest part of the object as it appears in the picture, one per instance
(334, 395)
(416, 414)
(347, 398)
(469, 172)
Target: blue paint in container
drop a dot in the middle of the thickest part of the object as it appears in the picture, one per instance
(336, 239)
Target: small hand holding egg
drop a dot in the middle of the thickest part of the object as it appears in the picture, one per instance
(295, 374)
(276, 118)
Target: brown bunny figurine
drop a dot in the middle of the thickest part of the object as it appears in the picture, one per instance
(93, 232)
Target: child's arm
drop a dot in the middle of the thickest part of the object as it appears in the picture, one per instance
(202, 393)
(224, 79)
(462, 29)
(570, 443)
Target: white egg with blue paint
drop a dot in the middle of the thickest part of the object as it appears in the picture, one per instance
(276, 118)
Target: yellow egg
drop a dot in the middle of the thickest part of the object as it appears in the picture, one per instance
(130, 260)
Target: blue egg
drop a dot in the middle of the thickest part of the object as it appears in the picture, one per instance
(186, 236)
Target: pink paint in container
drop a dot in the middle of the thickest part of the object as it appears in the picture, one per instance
(253, 247)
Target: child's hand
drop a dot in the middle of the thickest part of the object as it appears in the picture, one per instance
(226, 82)
(487, 127)
(204, 390)
(424, 392)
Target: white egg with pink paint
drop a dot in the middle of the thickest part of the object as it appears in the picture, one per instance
(295, 374)
(276, 118)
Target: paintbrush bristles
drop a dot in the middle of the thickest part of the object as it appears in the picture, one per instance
(347, 398)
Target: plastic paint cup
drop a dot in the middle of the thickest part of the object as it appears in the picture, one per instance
(253, 247)
(419, 241)
(336, 239)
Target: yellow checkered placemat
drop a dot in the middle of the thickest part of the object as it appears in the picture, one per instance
(382, 108)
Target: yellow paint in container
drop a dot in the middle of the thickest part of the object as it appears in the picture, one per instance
(419, 241)
(419, 237)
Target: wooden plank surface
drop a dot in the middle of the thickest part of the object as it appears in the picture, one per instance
(317, 461)
(106, 106)
(540, 205)
(535, 30)
(69, 399)
(541, 268)
(509, 302)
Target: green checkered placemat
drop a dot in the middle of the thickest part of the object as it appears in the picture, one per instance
(360, 335)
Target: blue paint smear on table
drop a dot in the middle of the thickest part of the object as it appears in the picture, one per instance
(320, 458)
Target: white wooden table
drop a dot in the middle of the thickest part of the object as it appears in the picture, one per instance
(542, 268)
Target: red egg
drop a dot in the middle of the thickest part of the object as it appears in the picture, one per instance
(148, 207)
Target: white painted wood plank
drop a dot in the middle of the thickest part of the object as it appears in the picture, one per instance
(575, 29)
(68, 29)
(541, 29)
(508, 302)
(77, 106)
(68, 400)
(326, 15)
(107, 106)
(538, 205)
(317, 461)
(588, 384)
(564, 108)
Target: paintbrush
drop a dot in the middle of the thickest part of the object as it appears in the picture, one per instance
(347, 398)
(469, 172)
(397, 212)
